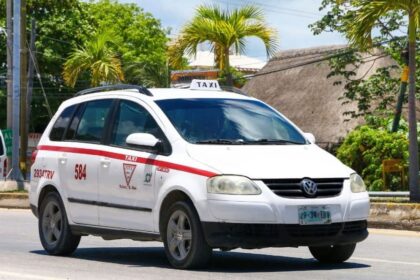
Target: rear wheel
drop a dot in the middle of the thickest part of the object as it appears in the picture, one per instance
(185, 245)
(333, 253)
(54, 230)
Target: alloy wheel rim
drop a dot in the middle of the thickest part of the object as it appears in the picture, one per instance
(179, 235)
(52, 223)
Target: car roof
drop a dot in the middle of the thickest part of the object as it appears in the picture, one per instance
(174, 93)
(162, 94)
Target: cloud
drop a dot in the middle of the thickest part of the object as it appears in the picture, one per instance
(290, 18)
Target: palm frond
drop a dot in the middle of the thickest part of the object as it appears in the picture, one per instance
(368, 12)
(97, 58)
(223, 30)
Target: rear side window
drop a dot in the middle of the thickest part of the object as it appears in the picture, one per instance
(61, 124)
(92, 121)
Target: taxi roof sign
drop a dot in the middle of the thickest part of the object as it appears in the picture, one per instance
(205, 84)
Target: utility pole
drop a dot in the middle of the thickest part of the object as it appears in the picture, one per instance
(23, 90)
(31, 66)
(9, 42)
(16, 175)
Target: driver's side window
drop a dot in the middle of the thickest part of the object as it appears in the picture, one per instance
(132, 118)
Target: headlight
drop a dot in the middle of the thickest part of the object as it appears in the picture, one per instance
(356, 183)
(229, 184)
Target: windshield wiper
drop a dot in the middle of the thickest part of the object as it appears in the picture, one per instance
(273, 142)
(220, 142)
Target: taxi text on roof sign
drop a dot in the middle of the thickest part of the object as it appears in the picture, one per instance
(205, 84)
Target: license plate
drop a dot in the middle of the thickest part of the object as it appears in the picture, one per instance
(314, 215)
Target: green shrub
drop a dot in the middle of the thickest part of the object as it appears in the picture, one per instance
(365, 148)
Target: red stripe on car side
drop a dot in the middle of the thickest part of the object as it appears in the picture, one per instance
(119, 156)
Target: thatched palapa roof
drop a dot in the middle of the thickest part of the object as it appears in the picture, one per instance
(305, 95)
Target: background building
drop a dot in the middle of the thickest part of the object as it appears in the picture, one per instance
(202, 66)
(299, 88)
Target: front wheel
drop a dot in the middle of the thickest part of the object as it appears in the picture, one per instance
(185, 245)
(333, 253)
(54, 230)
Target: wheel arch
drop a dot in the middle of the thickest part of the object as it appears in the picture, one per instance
(44, 191)
(170, 198)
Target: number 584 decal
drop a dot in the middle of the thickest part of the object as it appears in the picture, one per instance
(80, 171)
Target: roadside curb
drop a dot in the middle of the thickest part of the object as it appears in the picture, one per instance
(14, 200)
(11, 185)
(400, 216)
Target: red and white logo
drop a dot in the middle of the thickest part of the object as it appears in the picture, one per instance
(128, 172)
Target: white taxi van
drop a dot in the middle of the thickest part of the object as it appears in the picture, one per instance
(3, 158)
(197, 168)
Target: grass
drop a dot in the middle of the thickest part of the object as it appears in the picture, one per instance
(15, 191)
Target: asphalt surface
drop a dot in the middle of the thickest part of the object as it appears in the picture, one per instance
(384, 255)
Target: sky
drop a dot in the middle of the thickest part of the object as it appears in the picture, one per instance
(289, 17)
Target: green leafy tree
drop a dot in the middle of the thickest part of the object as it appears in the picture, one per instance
(65, 25)
(61, 26)
(98, 58)
(364, 150)
(139, 40)
(367, 14)
(224, 30)
(356, 20)
(374, 94)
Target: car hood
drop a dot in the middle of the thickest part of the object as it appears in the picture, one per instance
(270, 161)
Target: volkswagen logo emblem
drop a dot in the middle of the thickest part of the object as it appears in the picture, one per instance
(309, 187)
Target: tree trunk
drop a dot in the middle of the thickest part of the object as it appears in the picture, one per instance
(412, 135)
(403, 89)
(229, 79)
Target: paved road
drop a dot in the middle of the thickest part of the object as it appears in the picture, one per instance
(385, 255)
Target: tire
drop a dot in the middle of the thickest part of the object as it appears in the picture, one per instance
(185, 244)
(54, 230)
(333, 254)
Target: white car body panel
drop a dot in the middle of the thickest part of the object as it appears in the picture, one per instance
(186, 169)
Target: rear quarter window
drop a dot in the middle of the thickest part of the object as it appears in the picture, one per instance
(92, 122)
(62, 123)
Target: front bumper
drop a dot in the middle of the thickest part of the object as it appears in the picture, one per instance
(251, 236)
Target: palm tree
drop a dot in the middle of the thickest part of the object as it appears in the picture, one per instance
(98, 59)
(224, 30)
(367, 15)
(148, 74)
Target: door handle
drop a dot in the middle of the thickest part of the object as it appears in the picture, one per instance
(63, 159)
(105, 162)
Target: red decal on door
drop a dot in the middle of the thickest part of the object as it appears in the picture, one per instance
(80, 171)
(118, 156)
(162, 169)
(128, 172)
(43, 173)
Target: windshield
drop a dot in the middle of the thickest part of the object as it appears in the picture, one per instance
(229, 121)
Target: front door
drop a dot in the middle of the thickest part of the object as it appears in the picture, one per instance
(127, 174)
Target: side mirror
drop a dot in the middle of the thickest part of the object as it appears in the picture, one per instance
(310, 137)
(142, 139)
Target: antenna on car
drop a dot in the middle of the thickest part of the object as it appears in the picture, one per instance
(141, 89)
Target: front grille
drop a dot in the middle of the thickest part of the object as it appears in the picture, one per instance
(314, 230)
(291, 188)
